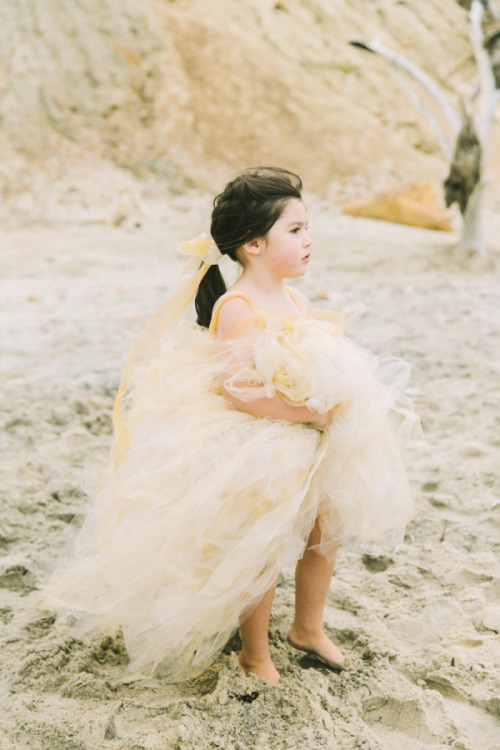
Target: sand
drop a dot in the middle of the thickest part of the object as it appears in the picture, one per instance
(420, 625)
(110, 117)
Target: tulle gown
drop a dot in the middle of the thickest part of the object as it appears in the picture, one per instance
(209, 503)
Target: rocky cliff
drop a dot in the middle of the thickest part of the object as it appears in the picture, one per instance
(180, 93)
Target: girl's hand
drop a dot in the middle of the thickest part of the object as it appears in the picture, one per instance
(322, 421)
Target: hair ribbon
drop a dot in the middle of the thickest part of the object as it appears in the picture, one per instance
(203, 253)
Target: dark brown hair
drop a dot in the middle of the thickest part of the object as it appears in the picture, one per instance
(246, 209)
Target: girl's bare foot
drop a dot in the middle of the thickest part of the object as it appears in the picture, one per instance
(264, 669)
(317, 644)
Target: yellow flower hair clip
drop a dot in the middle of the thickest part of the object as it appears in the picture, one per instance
(204, 248)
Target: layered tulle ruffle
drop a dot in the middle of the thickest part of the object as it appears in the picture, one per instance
(210, 503)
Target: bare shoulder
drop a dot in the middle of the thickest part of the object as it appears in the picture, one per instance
(231, 312)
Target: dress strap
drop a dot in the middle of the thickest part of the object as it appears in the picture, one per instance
(232, 295)
(298, 299)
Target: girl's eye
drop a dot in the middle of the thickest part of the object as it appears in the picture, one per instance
(296, 230)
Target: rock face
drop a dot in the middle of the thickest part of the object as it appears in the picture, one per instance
(186, 91)
(416, 205)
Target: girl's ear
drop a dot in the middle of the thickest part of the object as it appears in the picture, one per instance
(253, 247)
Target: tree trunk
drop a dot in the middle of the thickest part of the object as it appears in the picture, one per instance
(472, 235)
(465, 167)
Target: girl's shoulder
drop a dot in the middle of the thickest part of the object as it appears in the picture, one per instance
(230, 310)
(235, 308)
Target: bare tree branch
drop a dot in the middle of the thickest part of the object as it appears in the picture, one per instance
(427, 113)
(472, 231)
(468, 174)
(491, 8)
(489, 94)
(450, 115)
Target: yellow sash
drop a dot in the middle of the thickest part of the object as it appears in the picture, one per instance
(142, 351)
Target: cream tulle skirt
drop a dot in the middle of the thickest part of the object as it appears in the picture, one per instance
(210, 503)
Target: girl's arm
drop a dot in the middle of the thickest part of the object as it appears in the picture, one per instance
(277, 408)
(230, 314)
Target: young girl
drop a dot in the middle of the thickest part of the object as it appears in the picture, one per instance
(253, 439)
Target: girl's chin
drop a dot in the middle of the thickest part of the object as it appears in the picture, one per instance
(300, 271)
(296, 273)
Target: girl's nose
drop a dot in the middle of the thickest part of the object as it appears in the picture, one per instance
(307, 241)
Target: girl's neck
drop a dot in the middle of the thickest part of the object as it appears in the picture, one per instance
(268, 292)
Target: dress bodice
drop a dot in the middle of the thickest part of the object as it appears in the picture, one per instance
(260, 316)
(292, 356)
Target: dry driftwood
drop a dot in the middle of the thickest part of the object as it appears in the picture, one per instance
(468, 173)
(465, 168)
(492, 46)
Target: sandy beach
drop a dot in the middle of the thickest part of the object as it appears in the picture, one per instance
(420, 625)
(118, 124)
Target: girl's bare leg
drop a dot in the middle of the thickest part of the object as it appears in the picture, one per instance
(255, 656)
(312, 581)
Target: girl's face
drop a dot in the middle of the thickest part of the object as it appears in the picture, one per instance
(285, 248)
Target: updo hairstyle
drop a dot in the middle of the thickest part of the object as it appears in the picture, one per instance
(246, 209)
